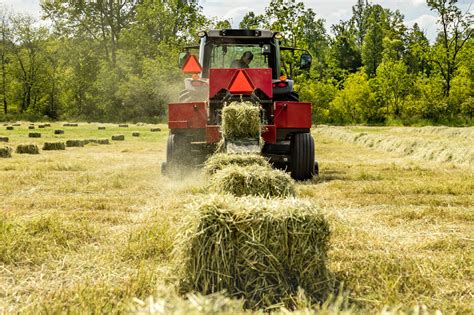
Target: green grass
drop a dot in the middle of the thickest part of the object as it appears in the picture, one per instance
(91, 229)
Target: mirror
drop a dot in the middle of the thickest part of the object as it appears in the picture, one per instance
(305, 61)
(266, 49)
(182, 58)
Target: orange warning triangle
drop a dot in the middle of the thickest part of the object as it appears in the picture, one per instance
(192, 65)
(241, 84)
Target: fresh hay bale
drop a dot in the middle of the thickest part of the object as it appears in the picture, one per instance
(219, 161)
(27, 149)
(101, 128)
(31, 127)
(41, 126)
(87, 141)
(34, 135)
(74, 143)
(51, 146)
(5, 152)
(47, 125)
(253, 248)
(58, 132)
(10, 128)
(118, 137)
(135, 134)
(103, 141)
(16, 124)
(123, 126)
(252, 180)
(241, 120)
(155, 129)
(70, 125)
(4, 139)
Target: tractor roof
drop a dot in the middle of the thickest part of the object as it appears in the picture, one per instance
(239, 33)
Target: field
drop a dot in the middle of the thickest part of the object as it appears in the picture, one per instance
(92, 228)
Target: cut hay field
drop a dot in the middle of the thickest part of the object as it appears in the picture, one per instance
(91, 229)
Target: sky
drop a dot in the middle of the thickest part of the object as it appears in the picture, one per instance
(330, 10)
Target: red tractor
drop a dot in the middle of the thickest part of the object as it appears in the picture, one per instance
(241, 65)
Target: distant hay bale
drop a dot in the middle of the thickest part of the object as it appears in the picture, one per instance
(241, 120)
(31, 127)
(10, 128)
(5, 152)
(70, 125)
(155, 129)
(16, 124)
(27, 149)
(253, 248)
(4, 139)
(135, 134)
(101, 128)
(219, 161)
(51, 146)
(74, 143)
(123, 126)
(34, 135)
(41, 126)
(103, 141)
(58, 132)
(87, 141)
(47, 125)
(118, 137)
(252, 180)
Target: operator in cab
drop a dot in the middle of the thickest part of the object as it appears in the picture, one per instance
(244, 61)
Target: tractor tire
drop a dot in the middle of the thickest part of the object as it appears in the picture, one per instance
(302, 164)
(170, 148)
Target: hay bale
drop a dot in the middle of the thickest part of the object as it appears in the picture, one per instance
(103, 141)
(135, 134)
(123, 126)
(5, 152)
(34, 135)
(47, 125)
(74, 143)
(16, 124)
(241, 120)
(31, 127)
(219, 161)
(252, 180)
(52, 146)
(10, 128)
(4, 139)
(118, 137)
(155, 129)
(70, 125)
(257, 249)
(101, 128)
(87, 141)
(27, 149)
(41, 126)
(58, 132)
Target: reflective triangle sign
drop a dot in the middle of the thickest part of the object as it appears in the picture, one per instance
(192, 65)
(241, 84)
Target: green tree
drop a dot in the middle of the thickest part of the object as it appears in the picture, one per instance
(252, 21)
(372, 48)
(418, 48)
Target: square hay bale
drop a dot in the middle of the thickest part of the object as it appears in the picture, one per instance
(253, 180)
(31, 127)
(118, 137)
(70, 125)
(27, 149)
(74, 143)
(4, 139)
(103, 141)
(41, 126)
(219, 161)
(135, 134)
(87, 141)
(155, 129)
(58, 132)
(34, 135)
(10, 128)
(54, 146)
(47, 125)
(253, 248)
(16, 124)
(123, 126)
(101, 128)
(5, 152)
(241, 120)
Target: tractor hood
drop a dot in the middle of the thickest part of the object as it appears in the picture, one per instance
(240, 81)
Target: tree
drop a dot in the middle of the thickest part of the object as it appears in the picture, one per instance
(252, 21)
(6, 46)
(418, 47)
(344, 47)
(372, 47)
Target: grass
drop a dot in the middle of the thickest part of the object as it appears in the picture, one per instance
(97, 224)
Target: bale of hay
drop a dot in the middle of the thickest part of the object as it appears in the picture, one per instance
(257, 249)
(70, 125)
(219, 161)
(103, 141)
(58, 132)
(16, 124)
(31, 127)
(47, 125)
(241, 120)
(34, 135)
(10, 128)
(5, 152)
(123, 126)
(252, 180)
(118, 137)
(135, 134)
(87, 141)
(27, 149)
(155, 129)
(41, 126)
(101, 128)
(4, 139)
(51, 146)
(74, 143)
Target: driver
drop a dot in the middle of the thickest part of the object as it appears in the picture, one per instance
(244, 61)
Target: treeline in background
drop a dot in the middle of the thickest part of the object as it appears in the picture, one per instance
(117, 61)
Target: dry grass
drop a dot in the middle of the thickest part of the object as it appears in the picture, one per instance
(241, 120)
(219, 161)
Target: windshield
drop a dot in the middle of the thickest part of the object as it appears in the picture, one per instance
(238, 56)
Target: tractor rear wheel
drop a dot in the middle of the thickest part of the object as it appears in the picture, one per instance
(302, 165)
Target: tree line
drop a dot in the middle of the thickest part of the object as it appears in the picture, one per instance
(116, 61)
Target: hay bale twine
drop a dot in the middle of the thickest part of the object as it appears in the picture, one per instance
(74, 143)
(219, 161)
(123, 126)
(118, 137)
(252, 180)
(5, 152)
(101, 128)
(31, 127)
(52, 146)
(34, 135)
(253, 248)
(4, 139)
(241, 120)
(58, 132)
(10, 128)
(103, 141)
(155, 129)
(27, 149)
(135, 134)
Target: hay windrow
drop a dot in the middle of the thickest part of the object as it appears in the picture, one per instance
(241, 120)
(253, 248)
(5, 152)
(27, 149)
(221, 160)
(52, 146)
(74, 143)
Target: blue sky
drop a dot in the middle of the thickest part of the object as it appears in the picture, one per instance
(330, 10)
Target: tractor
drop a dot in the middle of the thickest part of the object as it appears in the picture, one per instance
(241, 65)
